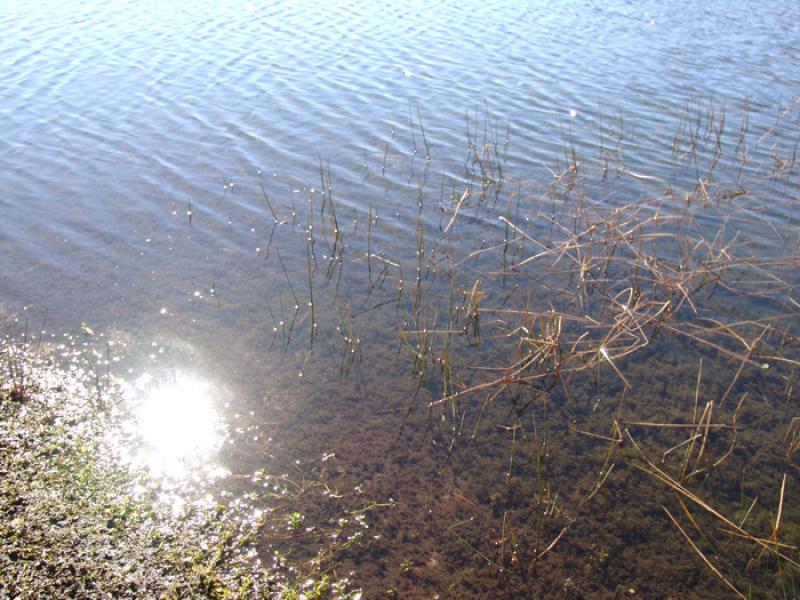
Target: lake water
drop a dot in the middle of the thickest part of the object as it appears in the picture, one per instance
(140, 140)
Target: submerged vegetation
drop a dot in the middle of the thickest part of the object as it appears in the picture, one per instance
(612, 349)
(604, 365)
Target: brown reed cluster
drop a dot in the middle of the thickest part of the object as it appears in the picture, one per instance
(516, 295)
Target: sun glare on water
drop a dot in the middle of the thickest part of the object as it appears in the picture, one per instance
(176, 421)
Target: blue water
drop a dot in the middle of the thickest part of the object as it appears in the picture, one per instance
(116, 115)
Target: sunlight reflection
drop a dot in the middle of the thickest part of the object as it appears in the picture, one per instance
(176, 420)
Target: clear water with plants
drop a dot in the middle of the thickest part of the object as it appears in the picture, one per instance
(455, 301)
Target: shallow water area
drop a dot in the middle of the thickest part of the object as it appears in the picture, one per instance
(495, 285)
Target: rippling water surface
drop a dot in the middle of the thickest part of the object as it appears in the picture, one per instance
(138, 140)
(118, 116)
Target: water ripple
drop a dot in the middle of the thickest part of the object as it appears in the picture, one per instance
(122, 112)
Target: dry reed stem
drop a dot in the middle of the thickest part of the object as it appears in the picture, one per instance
(662, 476)
(708, 563)
(549, 547)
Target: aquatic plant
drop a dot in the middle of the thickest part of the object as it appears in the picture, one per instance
(642, 324)
(576, 369)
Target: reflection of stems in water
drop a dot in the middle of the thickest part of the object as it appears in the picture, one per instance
(507, 239)
(322, 188)
(294, 208)
(274, 323)
(424, 139)
(340, 268)
(289, 281)
(309, 354)
(291, 328)
(269, 204)
(351, 342)
(411, 128)
(471, 306)
(287, 329)
(514, 428)
(336, 232)
(311, 296)
(283, 318)
(444, 354)
(214, 287)
(269, 242)
(416, 305)
(369, 245)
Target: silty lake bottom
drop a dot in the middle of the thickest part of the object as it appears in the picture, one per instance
(272, 332)
(578, 386)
